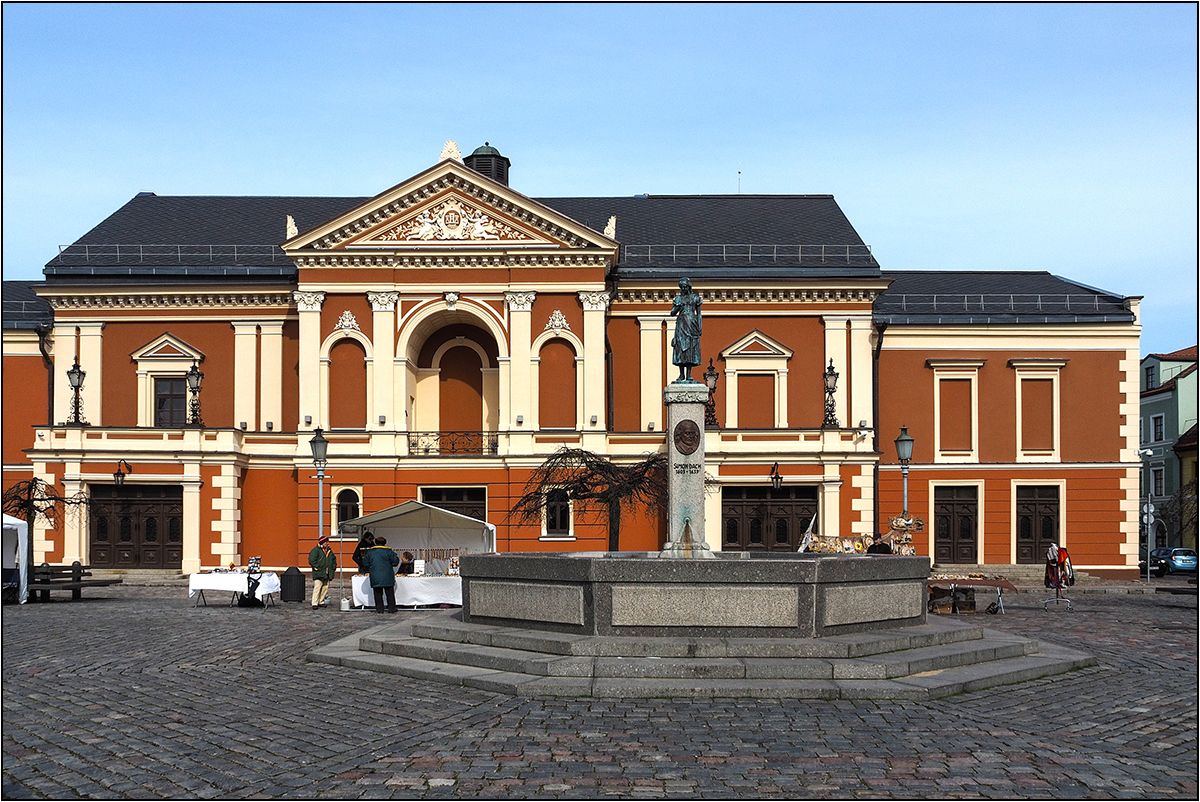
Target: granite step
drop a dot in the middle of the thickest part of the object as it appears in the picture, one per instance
(946, 657)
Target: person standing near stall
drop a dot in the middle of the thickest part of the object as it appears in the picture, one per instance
(323, 562)
(360, 551)
(381, 565)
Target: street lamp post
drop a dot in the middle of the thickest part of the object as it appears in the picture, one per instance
(75, 376)
(320, 448)
(1148, 510)
(904, 450)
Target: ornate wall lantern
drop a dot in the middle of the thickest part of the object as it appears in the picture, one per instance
(776, 479)
(831, 379)
(119, 476)
(194, 378)
(75, 376)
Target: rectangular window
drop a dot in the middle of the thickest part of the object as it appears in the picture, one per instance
(468, 501)
(955, 407)
(1156, 423)
(170, 402)
(1151, 377)
(1157, 478)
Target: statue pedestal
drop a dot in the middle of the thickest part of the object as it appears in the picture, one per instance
(685, 469)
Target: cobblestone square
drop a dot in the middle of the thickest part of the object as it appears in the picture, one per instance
(134, 693)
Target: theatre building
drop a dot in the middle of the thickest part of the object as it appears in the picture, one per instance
(450, 333)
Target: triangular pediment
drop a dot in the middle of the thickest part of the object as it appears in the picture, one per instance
(449, 206)
(757, 344)
(167, 347)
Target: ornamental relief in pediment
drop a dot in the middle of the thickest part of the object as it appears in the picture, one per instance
(452, 220)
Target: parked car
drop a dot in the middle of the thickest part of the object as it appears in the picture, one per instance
(1165, 561)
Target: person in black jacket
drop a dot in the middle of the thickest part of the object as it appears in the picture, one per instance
(879, 547)
(360, 552)
(381, 565)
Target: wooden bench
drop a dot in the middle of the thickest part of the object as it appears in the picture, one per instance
(73, 577)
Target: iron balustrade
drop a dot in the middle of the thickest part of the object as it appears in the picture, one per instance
(717, 253)
(458, 444)
(134, 253)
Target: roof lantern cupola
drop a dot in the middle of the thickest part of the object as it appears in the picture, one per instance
(488, 161)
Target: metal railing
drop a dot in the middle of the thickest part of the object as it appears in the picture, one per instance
(749, 254)
(458, 444)
(140, 253)
(954, 303)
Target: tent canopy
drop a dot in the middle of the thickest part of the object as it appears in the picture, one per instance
(16, 556)
(415, 525)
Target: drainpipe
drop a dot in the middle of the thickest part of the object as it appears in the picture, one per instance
(880, 327)
(43, 334)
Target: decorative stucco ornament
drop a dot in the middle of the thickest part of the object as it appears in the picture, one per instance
(291, 227)
(347, 322)
(451, 220)
(450, 151)
(383, 301)
(558, 321)
(610, 230)
(451, 300)
(520, 301)
(594, 300)
(308, 301)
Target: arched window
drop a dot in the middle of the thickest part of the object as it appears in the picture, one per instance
(347, 505)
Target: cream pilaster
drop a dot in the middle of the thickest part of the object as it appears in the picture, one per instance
(75, 524)
(90, 354)
(309, 306)
(191, 519)
(835, 349)
(520, 327)
(595, 304)
(245, 371)
(227, 516)
(383, 328)
(650, 357)
(62, 349)
(859, 373)
(831, 501)
(271, 382)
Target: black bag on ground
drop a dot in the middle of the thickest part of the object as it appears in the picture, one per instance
(249, 599)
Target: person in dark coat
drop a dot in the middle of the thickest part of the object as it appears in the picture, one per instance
(407, 564)
(381, 565)
(360, 551)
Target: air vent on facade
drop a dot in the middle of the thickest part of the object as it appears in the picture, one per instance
(488, 161)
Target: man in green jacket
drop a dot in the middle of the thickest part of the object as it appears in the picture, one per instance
(381, 564)
(323, 562)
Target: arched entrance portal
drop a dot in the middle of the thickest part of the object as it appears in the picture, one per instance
(457, 394)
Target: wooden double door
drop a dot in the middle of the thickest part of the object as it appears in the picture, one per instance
(956, 525)
(1037, 521)
(763, 519)
(136, 527)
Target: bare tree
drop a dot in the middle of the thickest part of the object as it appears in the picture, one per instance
(31, 499)
(585, 476)
(1179, 514)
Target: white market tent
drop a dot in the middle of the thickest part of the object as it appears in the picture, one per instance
(414, 525)
(16, 556)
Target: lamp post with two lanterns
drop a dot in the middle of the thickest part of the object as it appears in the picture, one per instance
(75, 376)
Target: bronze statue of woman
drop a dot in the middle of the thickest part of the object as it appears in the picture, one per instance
(685, 345)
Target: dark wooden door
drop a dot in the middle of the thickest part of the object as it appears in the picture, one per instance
(136, 527)
(956, 516)
(762, 519)
(1037, 522)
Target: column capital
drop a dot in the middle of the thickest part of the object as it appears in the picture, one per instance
(308, 301)
(383, 301)
(594, 300)
(520, 301)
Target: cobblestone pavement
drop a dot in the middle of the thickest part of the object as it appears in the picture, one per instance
(133, 693)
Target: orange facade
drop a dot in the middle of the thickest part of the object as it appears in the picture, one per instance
(447, 369)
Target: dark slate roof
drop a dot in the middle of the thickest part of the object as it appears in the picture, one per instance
(713, 235)
(730, 236)
(994, 297)
(22, 309)
(194, 236)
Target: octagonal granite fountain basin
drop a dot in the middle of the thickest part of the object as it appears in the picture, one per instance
(737, 594)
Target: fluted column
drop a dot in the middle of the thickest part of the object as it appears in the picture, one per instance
(309, 306)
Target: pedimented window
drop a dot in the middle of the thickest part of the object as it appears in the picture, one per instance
(161, 366)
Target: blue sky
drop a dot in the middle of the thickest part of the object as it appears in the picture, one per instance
(990, 137)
